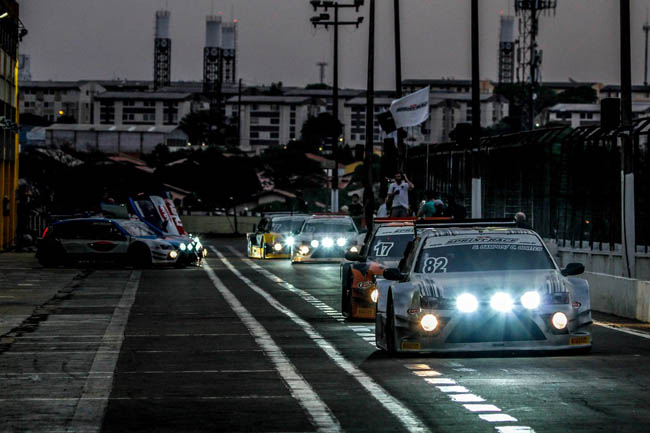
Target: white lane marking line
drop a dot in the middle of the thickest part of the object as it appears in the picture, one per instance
(482, 408)
(426, 373)
(514, 429)
(623, 329)
(300, 389)
(217, 397)
(440, 381)
(417, 366)
(497, 417)
(464, 369)
(408, 419)
(466, 398)
(455, 388)
(88, 416)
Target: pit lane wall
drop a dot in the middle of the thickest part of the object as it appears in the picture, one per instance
(218, 225)
(611, 292)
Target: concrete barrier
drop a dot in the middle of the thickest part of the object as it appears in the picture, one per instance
(218, 225)
(625, 297)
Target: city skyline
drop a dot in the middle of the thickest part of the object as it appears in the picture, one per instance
(82, 42)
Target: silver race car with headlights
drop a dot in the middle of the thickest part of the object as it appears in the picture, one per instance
(325, 238)
(481, 286)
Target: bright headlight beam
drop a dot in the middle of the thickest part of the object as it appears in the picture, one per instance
(314, 243)
(277, 247)
(328, 242)
(559, 320)
(290, 241)
(467, 303)
(530, 300)
(341, 242)
(429, 322)
(183, 247)
(354, 250)
(501, 302)
(374, 295)
(304, 250)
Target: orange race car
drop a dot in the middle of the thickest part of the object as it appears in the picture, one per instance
(383, 249)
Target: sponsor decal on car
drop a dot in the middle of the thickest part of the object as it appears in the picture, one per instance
(580, 339)
(410, 345)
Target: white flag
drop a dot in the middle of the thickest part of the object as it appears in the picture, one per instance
(411, 110)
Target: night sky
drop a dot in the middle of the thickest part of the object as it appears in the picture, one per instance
(103, 39)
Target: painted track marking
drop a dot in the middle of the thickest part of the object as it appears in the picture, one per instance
(623, 329)
(405, 416)
(316, 409)
(91, 406)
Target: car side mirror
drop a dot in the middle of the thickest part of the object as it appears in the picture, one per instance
(394, 274)
(573, 269)
(354, 257)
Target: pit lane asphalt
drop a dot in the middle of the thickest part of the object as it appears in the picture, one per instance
(189, 363)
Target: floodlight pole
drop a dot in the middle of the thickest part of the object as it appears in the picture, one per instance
(316, 21)
(368, 193)
(477, 188)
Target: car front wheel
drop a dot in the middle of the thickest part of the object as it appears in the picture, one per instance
(139, 256)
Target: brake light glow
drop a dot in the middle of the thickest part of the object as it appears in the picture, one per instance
(45, 232)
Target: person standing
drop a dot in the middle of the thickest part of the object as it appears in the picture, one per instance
(355, 209)
(428, 209)
(382, 212)
(398, 191)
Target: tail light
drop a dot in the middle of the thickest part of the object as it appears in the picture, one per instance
(45, 232)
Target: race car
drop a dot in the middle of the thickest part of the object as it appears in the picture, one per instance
(273, 237)
(481, 286)
(384, 247)
(325, 238)
(102, 239)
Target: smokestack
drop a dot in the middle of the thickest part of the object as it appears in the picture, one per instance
(162, 51)
(229, 43)
(212, 60)
(507, 49)
(213, 32)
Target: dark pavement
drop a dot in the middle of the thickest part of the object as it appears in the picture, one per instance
(261, 346)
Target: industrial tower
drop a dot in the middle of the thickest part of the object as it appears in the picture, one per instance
(229, 53)
(162, 51)
(507, 50)
(529, 57)
(212, 63)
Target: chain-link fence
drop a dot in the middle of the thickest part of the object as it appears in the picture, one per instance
(567, 181)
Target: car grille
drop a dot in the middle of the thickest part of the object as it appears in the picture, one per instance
(328, 253)
(496, 328)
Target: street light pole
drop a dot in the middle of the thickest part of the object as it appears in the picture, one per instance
(368, 193)
(398, 83)
(323, 20)
(477, 188)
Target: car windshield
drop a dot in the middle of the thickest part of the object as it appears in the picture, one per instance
(390, 241)
(329, 226)
(482, 252)
(286, 225)
(136, 228)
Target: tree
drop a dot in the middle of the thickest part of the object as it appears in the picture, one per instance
(33, 120)
(578, 95)
(203, 128)
(320, 129)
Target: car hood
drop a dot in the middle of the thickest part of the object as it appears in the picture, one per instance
(386, 262)
(484, 284)
(320, 236)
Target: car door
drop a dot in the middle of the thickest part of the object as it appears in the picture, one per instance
(105, 239)
(70, 236)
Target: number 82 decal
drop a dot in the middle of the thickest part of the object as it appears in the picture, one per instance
(434, 265)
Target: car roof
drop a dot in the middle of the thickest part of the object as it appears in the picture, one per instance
(457, 231)
(329, 217)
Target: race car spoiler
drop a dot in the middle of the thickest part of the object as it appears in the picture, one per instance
(424, 223)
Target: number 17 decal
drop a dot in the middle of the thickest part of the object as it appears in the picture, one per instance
(382, 249)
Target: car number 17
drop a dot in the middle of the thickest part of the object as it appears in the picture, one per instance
(382, 249)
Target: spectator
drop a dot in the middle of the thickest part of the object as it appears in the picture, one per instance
(398, 191)
(428, 209)
(356, 210)
(382, 212)
(455, 209)
(520, 220)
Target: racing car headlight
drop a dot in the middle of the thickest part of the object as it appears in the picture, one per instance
(277, 247)
(173, 254)
(559, 320)
(341, 242)
(328, 242)
(183, 246)
(196, 239)
(530, 300)
(304, 250)
(199, 245)
(189, 247)
(290, 241)
(467, 303)
(205, 253)
(429, 322)
(354, 250)
(501, 302)
(374, 295)
(314, 243)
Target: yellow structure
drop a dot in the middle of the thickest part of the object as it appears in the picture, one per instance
(8, 120)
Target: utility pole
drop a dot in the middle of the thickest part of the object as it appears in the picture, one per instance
(626, 139)
(239, 113)
(646, 29)
(401, 158)
(368, 194)
(324, 20)
(477, 188)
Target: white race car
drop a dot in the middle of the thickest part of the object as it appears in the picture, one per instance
(325, 238)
